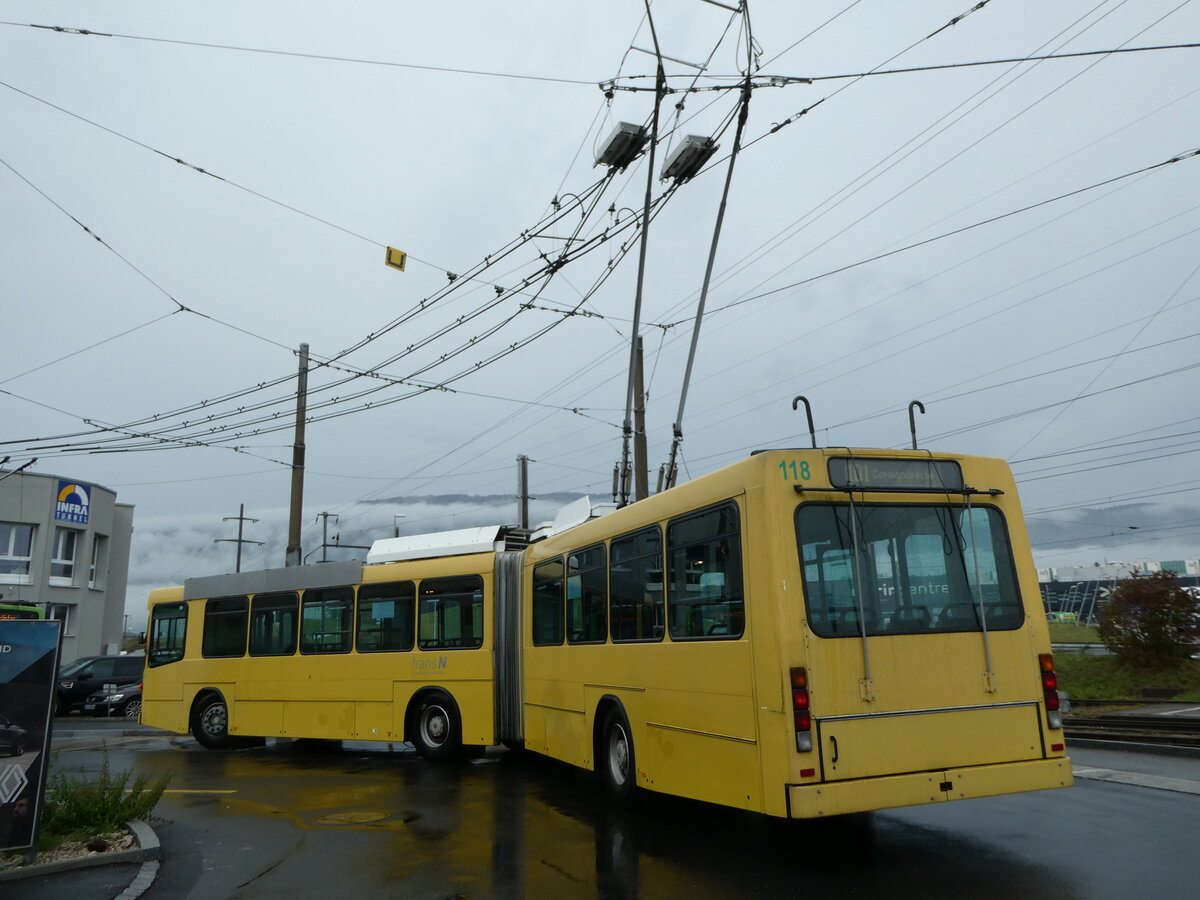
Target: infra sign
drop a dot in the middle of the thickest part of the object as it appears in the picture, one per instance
(72, 502)
(28, 664)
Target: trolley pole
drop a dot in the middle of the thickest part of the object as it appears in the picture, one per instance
(292, 557)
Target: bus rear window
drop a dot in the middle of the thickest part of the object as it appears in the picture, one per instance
(168, 629)
(918, 569)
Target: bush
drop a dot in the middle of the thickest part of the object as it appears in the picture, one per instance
(1150, 621)
(77, 809)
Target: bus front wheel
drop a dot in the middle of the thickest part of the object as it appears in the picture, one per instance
(616, 758)
(210, 723)
(437, 731)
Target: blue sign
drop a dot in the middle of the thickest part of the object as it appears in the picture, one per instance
(73, 502)
(28, 667)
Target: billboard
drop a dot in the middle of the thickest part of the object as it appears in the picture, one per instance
(28, 667)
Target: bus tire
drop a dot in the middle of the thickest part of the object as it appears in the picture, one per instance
(436, 727)
(210, 722)
(616, 762)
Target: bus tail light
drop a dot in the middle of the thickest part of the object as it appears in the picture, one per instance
(1050, 690)
(801, 715)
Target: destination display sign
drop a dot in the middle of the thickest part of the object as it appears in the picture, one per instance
(875, 474)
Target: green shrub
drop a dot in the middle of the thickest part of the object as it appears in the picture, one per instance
(77, 808)
(1150, 621)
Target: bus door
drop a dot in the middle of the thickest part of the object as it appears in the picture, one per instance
(916, 655)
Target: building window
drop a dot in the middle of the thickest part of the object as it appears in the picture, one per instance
(63, 614)
(62, 564)
(98, 565)
(16, 552)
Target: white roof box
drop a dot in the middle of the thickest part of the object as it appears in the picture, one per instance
(574, 513)
(440, 543)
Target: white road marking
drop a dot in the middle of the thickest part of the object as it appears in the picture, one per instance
(1179, 712)
(1160, 782)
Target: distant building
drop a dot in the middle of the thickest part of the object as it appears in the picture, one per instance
(1115, 571)
(64, 545)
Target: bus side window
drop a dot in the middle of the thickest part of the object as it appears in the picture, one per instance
(225, 627)
(325, 617)
(704, 575)
(273, 624)
(587, 596)
(547, 618)
(635, 586)
(168, 631)
(450, 614)
(386, 616)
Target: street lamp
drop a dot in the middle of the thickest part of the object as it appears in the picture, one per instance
(396, 525)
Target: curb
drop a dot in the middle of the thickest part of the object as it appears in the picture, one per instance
(147, 852)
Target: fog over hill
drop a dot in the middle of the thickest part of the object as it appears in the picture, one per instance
(169, 549)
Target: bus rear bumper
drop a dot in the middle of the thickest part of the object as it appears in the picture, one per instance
(810, 801)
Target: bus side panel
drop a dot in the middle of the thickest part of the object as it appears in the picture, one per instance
(331, 719)
(700, 724)
(168, 715)
(373, 721)
(704, 767)
(257, 718)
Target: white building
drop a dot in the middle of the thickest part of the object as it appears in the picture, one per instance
(64, 545)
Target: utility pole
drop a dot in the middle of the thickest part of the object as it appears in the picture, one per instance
(325, 533)
(239, 540)
(523, 490)
(293, 548)
(641, 478)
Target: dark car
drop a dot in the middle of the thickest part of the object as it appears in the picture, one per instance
(118, 700)
(76, 685)
(12, 736)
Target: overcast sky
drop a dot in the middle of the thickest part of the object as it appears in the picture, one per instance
(1061, 336)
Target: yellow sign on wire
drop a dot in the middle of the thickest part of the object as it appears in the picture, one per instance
(396, 258)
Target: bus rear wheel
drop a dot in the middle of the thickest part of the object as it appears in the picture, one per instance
(210, 723)
(616, 762)
(437, 731)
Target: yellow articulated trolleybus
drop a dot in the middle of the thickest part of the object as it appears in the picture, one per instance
(804, 633)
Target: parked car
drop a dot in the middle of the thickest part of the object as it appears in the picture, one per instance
(119, 700)
(77, 684)
(12, 736)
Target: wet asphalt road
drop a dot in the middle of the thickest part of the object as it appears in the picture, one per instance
(305, 819)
